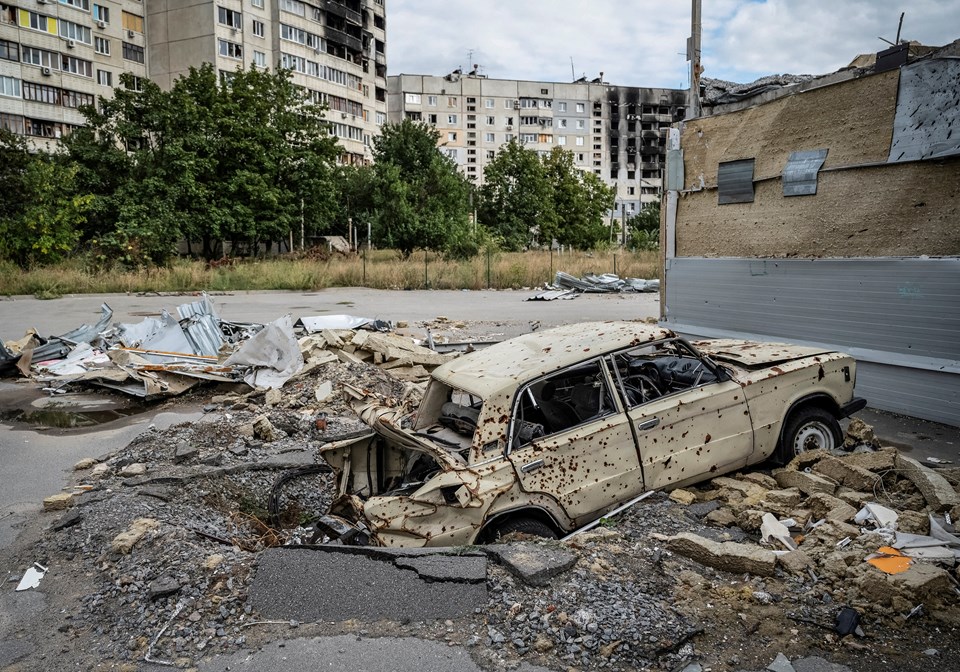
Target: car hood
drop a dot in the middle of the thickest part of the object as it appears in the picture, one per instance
(753, 355)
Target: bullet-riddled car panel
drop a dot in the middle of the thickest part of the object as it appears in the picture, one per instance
(546, 432)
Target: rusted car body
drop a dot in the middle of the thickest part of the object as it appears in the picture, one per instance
(546, 432)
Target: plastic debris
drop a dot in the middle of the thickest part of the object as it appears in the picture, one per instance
(31, 577)
(889, 560)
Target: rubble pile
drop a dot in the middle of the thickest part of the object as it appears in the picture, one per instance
(566, 286)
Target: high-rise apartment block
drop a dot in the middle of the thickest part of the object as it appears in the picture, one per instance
(56, 55)
(335, 49)
(618, 132)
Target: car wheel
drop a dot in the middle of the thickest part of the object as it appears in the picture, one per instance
(531, 526)
(807, 429)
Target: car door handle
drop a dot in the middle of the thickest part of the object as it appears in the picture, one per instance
(648, 424)
(531, 466)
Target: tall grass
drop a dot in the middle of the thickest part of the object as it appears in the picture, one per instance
(381, 269)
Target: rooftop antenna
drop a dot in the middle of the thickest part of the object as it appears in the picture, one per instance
(573, 73)
(899, 28)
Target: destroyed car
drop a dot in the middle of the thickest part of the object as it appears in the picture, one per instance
(546, 432)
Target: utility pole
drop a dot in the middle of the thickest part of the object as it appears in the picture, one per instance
(693, 55)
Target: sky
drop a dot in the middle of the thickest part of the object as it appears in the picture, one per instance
(643, 42)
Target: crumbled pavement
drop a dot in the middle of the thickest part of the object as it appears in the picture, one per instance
(203, 582)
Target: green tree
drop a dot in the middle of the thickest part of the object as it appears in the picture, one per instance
(516, 199)
(644, 228)
(416, 198)
(580, 200)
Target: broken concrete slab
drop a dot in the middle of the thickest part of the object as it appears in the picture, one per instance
(787, 497)
(85, 463)
(700, 509)
(342, 586)
(681, 496)
(534, 564)
(780, 664)
(938, 492)
(721, 518)
(859, 433)
(849, 475)
(795, 562)
(764, 481)
(184, 452)
(805, 460)
(727, 556)
(876, 461)
(832, 508)
(745, 488)
(465, 569)
(124, 542)
(805, 482)
(57, 502)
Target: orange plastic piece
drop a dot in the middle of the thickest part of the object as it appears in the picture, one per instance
(890, 560)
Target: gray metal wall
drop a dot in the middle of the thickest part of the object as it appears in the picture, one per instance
(899, 317)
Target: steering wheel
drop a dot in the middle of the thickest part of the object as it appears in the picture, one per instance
(645, 390)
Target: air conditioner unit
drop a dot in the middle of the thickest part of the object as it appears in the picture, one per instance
(41, 2)
(46, 71)
(343, 115)
(516, 104)
(71, 44)
(101, 24)
(509, 128)
(130, 33)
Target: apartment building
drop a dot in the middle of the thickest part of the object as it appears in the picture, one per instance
(56, 55)
(335, 49)
(618, 132)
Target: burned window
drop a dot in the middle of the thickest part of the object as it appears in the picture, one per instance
(735, 182)
(653, 371)
(561, 402)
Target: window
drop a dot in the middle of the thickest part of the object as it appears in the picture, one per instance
(581, 107)
(381, 118)
(432, 101)
(528, 137)
(104, 78)
(508, 104)
(579, 142)
(9, 51)
(259, 59)
(561, 123)
(135, 84)
(74, 31)
(545, 91)
(488, 103)
(79, 4)
(452, 136)
(451, 102)
(450, 152)
(226, 48)
(9, 86)
(451, 118)
(294, 7)
(631, 191)
(8, 14)
(133, 52)
(226, 17)
(491, 121)
(46, 59)
(37, 21)
(432, 118)
(581, 123)
(560, 402)
(77, 66)
(75, 99)
(258, 28)
(413, 98)
(490, 137)
(561, 107)
(101, 13)
(132, 22)
(101, 45)
(561, 139)
(257, 3)
(735, 182)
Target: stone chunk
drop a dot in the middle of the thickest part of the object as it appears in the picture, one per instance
(855, 498)
(272, 397)
(913, 522)
(830, 507)
(57, 502)
(795, 562)
(750, 519)
(880, 460)
(684, 497)
(700, 509)
(780, 664)
(721, 518)
(184, 452)
(135, 469)
(764, 481)
(745, 488)
(938, 492)
(163, 586)
(807, 483)
(263, 429)
(727, 556)
(806, 460)
(85, 463)
(850, 475)
(124, 542)
(534, 564)
(859, 433)
(788, 497)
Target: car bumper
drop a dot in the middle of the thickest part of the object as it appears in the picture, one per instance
(855, 404)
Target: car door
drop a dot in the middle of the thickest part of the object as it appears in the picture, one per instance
(688, 430)
(573, 442)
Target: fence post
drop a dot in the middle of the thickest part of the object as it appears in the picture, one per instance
(488, 268)
(426, 280)
(614, 263)
(363, 255)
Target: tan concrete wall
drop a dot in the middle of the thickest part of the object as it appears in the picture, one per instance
(908, 209)
(854, 120)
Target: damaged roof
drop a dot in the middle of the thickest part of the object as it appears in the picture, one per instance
(503, 365)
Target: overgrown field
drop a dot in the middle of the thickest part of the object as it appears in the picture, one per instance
(380, 269)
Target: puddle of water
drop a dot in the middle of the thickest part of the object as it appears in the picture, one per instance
(66, 418)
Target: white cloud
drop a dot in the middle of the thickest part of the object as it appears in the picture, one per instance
(643, 42)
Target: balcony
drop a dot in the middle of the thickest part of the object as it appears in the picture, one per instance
(339, 9)
(340, 37)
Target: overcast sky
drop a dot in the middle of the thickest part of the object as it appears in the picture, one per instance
(643, 42)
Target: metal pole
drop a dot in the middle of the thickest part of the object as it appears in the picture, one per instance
(302, 235)
(693, 55)
(350, 232)
(488, 268)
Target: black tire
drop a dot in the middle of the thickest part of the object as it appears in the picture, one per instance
(808, 428)
(531, 526)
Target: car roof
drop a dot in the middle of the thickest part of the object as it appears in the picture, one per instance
(508, 363)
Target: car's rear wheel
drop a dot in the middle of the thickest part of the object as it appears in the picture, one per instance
(530, 526)
(808, 428)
